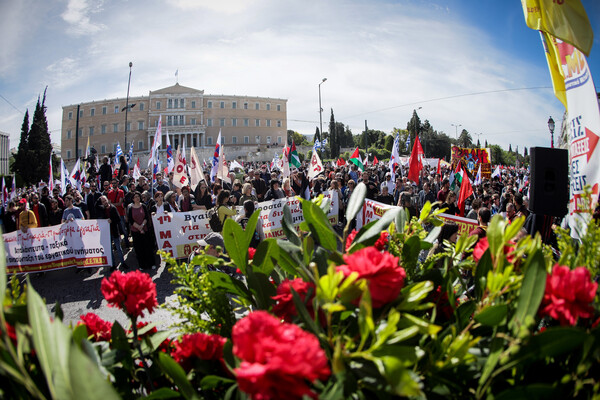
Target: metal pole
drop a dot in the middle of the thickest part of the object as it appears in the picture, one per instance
(125, 149)
(366, 136)
(77, 134)
(321, 111)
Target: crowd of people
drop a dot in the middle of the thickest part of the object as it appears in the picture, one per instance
(129, 204)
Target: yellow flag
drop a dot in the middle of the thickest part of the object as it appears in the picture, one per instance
(563, 19)
(554, 65)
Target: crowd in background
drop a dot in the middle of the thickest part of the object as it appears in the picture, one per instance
(128, 204)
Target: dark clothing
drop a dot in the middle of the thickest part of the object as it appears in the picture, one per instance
(45, 200)
(10, 220)
(387, 199)
(111, 213)
(480, 232)
(123, 170)
(55, 217)
(426, 197)
(92, 198)
(166, 206)
(261, 188)
(372, 190)
(452, 209)
(143, 244)
(163, 188)
(42, 213)
(274, 194)
(105, 173)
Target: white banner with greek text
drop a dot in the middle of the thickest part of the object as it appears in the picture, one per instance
(79, 243)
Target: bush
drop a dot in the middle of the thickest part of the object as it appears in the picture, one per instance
(367, 315)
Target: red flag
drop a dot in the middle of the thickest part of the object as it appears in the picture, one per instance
(415, 164)
(465, 191)
(375, 161)
(341, 162)
(439, 168)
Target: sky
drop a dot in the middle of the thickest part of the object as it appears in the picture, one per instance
(470, 65)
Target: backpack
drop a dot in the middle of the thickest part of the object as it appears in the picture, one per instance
(213, 219)
(255, 237)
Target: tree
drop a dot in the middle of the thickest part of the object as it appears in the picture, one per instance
(389, 143)
(20, 166)
(39, 143)
(525, 154)
(465, 140)
(486, 144)
(317, 135)
(478, 143)
(298, 138)
(333, 137)
(510, 148)
(414, 126)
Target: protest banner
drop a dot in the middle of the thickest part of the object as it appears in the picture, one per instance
(465, 225)
(78, 243)
(471, 159)
(373, 210)
(178, 233)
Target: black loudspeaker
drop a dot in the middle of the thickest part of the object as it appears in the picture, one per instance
(549, 186)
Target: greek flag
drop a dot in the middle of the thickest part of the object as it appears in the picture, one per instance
(324, 142)
(317, 145)
(119, 153)
(130, 155)
(407, 142)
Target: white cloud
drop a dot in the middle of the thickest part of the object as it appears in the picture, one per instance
(79, 16)
(381, 60)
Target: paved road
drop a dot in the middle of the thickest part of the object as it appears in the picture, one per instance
(79, 293)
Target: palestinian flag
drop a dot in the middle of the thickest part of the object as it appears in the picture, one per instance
(456, 178)
(294, 159)
(356, 160)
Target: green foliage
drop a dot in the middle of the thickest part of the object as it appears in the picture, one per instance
(298, 138)
(201, 306)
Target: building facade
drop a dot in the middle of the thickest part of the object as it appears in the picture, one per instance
(189, 117)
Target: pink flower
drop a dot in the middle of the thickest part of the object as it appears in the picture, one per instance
(99, 329)
(483, 244)
(285, 307)
(251, 252)
(278, 360)
(133, 292)
(568, 295)
(350, 238)
(198, 346)
(381, 270)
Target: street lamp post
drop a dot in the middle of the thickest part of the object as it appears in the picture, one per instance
(551, 127)
(478, 136)
(321, 110)
(456, 130)
(125, 149)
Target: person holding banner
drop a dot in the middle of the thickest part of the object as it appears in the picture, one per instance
(109, 211)
(139, 219)
(26, 217)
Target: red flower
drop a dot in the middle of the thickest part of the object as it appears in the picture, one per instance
(98, 328)
(350, 238)
(382, 241)
(568, 295)
(251, 252)
(442, 303)
(277, 359)
(133, 292)
(483, 244)
(11, 332)
(198, 346)
(285, 308)
(382, 271)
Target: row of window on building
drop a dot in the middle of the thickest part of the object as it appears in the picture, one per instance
(209, 142)
(176, 103)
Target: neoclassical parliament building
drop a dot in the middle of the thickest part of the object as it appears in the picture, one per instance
(189, 117)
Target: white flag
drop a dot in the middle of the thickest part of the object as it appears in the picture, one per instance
(234, 164)
(156, 144)
(316, 167)
(170, 161)
(75, 175)
(136, 170)
(196, 173)
(222, 170)
(285, 172)
(180, 178)
(395, 157)
(478, 179)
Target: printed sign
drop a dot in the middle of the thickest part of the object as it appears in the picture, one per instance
(465, 225)
(178, 233)
(79, 243)
(471, 159)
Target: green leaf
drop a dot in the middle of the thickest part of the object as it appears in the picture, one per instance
(310, 324)
(221, 280)
(496, 347)
(213, 381)
(464, 312)
(495, 234)
(266, 252)
(319, 225)
(177, 375)
(552, 342)
(410, 252)
(425, 211)
(528, 392)
(87, 381)
(119, 337)
(414, 293)
(79, 334)
(51, 343)
(532, 289)
(356, 202)
(374, 231)
(287, 223)
(261, 289)
(290, 259)
(236, 243)
(365, 317)
(163, 393)
(481, 271)
(251, 227)
(514, 228)
(433, 234)
(492, 315)
(401, 219)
